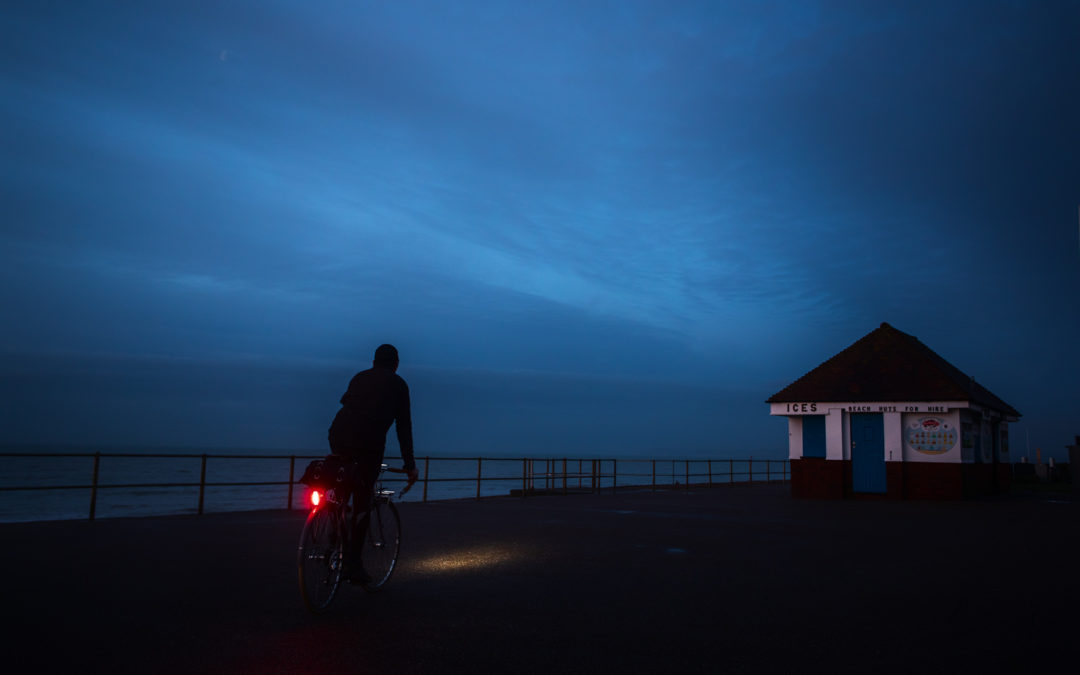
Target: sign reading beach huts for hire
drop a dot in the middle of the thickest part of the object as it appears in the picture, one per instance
(889, 416)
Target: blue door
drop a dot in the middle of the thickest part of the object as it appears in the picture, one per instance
(813, 436)
(868, 452)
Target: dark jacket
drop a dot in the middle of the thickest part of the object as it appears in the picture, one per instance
(376, 398)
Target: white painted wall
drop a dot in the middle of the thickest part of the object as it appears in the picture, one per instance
(795, 444)
(894, 437)
(898, 425)
(967, 437)
(987, 442)
(836, 435)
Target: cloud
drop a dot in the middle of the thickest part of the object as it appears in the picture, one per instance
(741, 188)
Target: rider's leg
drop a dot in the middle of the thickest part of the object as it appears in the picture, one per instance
(361, 517)
(367, 472)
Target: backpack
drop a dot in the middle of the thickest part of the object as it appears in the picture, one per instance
(333, 471)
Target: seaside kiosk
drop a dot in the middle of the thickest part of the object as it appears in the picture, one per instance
(888, 416)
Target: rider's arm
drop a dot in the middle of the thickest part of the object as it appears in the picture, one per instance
(403, 423)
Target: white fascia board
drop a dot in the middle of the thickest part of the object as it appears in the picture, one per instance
(823, 407)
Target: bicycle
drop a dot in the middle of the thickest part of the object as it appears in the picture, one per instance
(325, 539)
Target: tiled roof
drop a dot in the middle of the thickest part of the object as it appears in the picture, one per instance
(889, 365)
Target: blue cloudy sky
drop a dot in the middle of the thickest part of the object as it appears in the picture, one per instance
(589, 227)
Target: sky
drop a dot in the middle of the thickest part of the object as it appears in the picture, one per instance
(590, 228)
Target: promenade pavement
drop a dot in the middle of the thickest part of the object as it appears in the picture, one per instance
(723, 580)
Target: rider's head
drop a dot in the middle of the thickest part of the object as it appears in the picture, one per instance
(386, 356)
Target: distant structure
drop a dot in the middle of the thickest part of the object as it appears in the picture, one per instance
(888, 416)
(1074, 463)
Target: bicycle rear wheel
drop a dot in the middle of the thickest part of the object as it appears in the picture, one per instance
(319, 558)
(381, 544)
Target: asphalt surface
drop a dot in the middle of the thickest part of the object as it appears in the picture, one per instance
(722, 580)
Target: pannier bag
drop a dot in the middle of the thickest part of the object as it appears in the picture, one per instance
(333, 471)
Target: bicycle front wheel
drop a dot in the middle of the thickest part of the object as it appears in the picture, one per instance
(381, 544)
(319, 558)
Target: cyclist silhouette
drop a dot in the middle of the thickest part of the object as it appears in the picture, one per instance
(376, 399)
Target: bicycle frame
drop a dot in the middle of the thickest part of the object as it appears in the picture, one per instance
(317, 496)
(325, 543)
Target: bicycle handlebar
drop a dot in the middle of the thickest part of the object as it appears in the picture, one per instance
(394, 469)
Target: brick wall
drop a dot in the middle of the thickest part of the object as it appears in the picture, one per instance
(818, 478)
(894, 480)
(933, 480)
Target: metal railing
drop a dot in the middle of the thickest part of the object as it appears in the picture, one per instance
(559, 475)
(537, 476)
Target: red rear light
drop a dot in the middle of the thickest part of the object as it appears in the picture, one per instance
(316, 497)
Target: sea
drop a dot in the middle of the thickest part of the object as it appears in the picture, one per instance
(56, 483)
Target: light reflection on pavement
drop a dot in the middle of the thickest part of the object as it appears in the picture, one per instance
(468, 559)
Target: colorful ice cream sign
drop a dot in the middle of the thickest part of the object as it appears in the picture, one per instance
(930, 436)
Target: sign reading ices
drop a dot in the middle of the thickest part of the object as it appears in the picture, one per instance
(797, 408)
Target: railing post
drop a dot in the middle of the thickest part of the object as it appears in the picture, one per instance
(202, 484)
(524, 477)
(479, 470)
(292, 473)
(614, 475)
(710, 473)
(93, 485)
(580, 473)
(768, 471)
(564, 475)
(427, 460)
(731, 471)
(751, 472)
(654, 475)
(687, 474)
